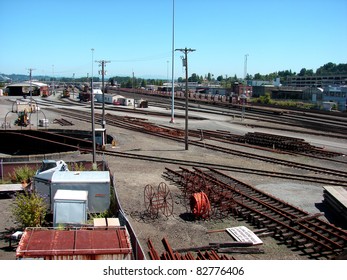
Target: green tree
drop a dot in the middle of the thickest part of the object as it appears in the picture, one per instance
(129, 84)
(29, 209)
(258, 76)
(143, 83)
(193, 78)
(302, 72)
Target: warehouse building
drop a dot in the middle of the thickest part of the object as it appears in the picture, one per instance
(23, 89)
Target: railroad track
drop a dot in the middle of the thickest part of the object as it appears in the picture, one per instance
(178, 162)
(290, 225)
(63, 122)
(273, 143)
(141, 125)
(334, 125)
(316, 120)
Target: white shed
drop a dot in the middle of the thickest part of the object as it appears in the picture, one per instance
(70, 207)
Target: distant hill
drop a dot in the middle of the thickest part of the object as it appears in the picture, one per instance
(4, 79)
(22, 77)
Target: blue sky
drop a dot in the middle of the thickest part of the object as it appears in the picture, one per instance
(136, 36)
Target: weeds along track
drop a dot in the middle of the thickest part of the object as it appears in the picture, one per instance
(290, 225)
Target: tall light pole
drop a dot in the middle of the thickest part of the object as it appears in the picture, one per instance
(244, 87)
(73, 85)
(92, 109)
(185, 64)
(103, 72)
(167, 76)
(173, 65)
(133, 88)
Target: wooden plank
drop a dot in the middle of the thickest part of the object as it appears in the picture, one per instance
(231, 244)
(215, 230)
(11, 187)
(99, 222)
(113, 222)
(265, 234)
(244, 250)
(196, 249)
(260, 230)
(338, 192)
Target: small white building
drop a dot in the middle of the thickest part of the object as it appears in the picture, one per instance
(127, 101)
(97, 94)
(70, 207)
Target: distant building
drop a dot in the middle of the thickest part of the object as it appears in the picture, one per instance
(317, 81)
(337, 94)
(256, 83)
(23, 88)
(314, 94)
(239, 89)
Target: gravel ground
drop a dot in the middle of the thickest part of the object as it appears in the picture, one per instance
(131, 176)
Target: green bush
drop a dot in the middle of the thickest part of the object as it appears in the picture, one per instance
(29, 209)
(76, 167)
(22, 174)
(265, 99)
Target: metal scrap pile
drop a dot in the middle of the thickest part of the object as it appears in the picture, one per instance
(169, 254)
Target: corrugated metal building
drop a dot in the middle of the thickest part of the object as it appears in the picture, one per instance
(75, 244)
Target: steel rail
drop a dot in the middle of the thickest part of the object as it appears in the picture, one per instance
(338, 233)
(281, 220)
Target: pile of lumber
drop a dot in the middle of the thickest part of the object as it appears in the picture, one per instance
(336, 198)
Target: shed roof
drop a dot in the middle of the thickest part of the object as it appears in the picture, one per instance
(27, 84)
(75, 176)
(41, 242)
(78, 195)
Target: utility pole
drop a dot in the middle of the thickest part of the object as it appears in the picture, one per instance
(133, 88)
(103, 73)
(93, 118)
(30, 78)
(53, 91)
(185, 64)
